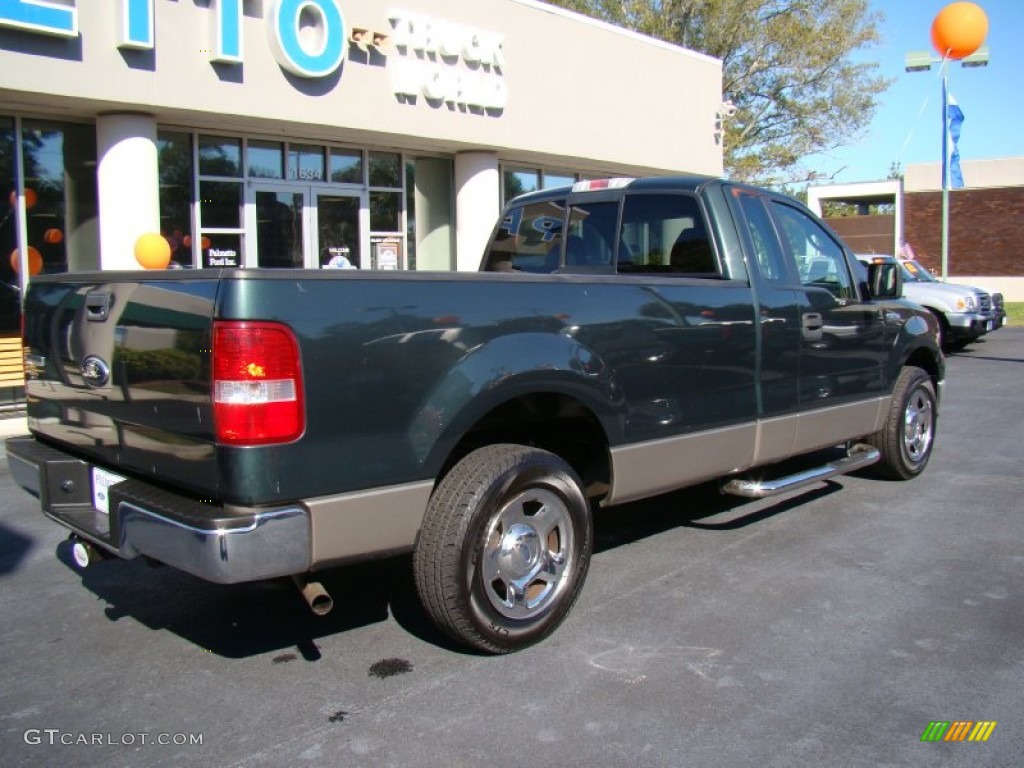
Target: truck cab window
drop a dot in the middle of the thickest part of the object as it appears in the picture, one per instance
(590, 237)
(818, 258)
(528, 239)
(665, 234)
(770, 264)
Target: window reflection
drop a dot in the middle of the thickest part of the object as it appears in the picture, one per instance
(221, 204)
(174, 152)
(265, 159)
(347, 166)
(219, 156)
(385, 170)
(60, 196)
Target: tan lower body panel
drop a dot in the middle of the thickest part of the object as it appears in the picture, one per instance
(363, 524)
(659, 466)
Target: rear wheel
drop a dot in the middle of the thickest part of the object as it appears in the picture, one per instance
(504, 548)
(905, 441)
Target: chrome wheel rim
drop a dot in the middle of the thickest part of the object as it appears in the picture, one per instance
(527, 557)
(918, 426)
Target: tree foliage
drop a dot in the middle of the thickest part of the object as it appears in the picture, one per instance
(788, 69)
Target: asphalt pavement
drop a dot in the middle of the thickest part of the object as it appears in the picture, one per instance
(831, 628)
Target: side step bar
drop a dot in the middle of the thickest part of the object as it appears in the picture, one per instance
(859, 456)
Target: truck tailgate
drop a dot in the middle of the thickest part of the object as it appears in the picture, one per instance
(118, 371)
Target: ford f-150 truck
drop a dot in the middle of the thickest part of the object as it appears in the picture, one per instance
(622, 339)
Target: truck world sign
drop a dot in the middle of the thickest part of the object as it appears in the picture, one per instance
(440, 60)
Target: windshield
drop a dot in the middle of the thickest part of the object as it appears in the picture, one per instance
(915, 273)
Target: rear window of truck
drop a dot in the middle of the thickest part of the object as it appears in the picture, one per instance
(528, 239)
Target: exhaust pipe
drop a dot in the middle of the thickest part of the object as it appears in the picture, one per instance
(315, 595)
(83, 553)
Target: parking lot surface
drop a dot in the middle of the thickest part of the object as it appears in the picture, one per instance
(830, 628)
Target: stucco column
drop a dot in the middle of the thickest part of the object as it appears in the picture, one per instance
(477, 205)
(129, 185)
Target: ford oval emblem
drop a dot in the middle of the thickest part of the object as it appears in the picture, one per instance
(95, 371)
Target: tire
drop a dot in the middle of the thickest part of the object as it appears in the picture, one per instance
(944, 332)
(504, 548)
(906, 440)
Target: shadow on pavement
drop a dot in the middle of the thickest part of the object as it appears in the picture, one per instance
(241, 620)
(14, 547)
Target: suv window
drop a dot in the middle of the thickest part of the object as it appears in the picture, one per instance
(818, 258)
(529, 239)
(665, 234)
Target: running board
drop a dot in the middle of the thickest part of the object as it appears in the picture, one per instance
(859, 456)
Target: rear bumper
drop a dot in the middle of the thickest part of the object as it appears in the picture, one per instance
(216, 544)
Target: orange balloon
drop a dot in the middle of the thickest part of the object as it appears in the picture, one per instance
(187, 241)
(959, 30)
(153, 251)
(35, 261)
(53, 236)
(30, 198)
(204, 242)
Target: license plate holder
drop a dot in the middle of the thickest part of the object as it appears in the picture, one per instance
(102, 482)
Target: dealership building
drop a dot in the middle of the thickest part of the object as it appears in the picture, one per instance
(290, 133)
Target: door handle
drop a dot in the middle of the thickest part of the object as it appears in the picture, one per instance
(811, 324)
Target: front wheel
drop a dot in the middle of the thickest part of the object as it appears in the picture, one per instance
(504, 548)
(906, 440)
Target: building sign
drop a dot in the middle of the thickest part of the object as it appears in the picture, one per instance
(41, 16)
(447, 63)
(222, 257)
(437, 60)
(307, 37)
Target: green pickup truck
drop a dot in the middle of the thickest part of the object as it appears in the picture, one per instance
(623, 338)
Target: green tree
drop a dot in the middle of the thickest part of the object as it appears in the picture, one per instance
(788, 69)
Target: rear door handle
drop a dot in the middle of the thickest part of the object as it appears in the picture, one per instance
(811, 325)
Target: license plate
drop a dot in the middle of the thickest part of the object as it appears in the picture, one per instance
(102, 482)
(991, 325)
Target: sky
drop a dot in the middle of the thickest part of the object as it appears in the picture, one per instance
(907, 125)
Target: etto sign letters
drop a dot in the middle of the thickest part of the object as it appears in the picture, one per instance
(318, 55)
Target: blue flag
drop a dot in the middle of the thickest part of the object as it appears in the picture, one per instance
(954, 118)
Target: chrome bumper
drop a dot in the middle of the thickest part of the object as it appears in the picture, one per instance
(223, 546)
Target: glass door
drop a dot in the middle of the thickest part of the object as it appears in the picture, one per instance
(280, 226)
(303, 226)
(338, 232)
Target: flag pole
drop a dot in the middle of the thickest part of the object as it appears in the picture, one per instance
(945, 170)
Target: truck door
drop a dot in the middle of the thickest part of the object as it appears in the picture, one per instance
(842, 338)
(778, 310)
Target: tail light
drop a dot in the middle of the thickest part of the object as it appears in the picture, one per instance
(257, 384)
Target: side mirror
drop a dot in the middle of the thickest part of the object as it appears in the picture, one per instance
(885, 281)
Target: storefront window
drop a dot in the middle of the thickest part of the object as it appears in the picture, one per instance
(174, 153)
(60, 196)
(221, 204)
(265, 159)
(10, 287)
(552, 180)
(385, 211)
(385, 170)
(430, 213)
(305, 162)
(517, 182)
(385, 205)
(220, 156)
(346, 166)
